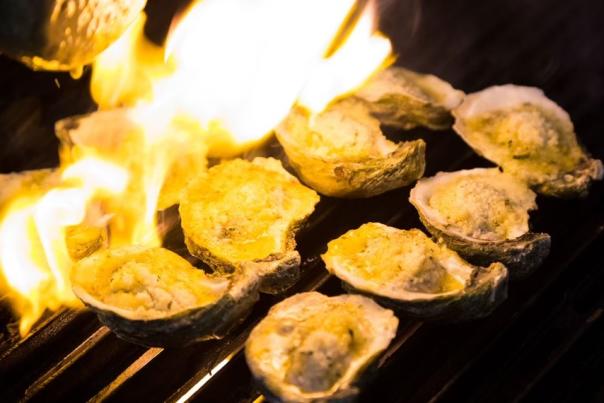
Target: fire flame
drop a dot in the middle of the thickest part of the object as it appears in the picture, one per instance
(229, 72)
(234, 68)
(33, 251)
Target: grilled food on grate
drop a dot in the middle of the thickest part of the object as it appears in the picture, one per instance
(530, 137)
(342, 151)
(312, 348)
(482, 214)
(153, 297)
(244, 215)
(408, 272)
(402, 98)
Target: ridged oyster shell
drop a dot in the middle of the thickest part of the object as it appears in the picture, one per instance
(154, 297)
(63, 34)
(314, 348)
(113, 135)
(482, 214)
(530, 137)
(342, 151)
(244, 215)
(407, 271)
(402, 98)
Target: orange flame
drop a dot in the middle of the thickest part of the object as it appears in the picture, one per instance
(34, 257)
(229, 73)
(236, 67)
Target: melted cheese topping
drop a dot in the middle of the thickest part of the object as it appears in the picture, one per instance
(391, 261)
(345, 130)
(310, 345)
(153, 282)
(243, 211)
(532, 140)
(490, 207)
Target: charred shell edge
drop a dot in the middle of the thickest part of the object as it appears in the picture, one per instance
(521, 255)
(488, 290)
(360, 179)
(277, 272)
(574, 184)
(402, 111)
(184, 328)
(390, 110)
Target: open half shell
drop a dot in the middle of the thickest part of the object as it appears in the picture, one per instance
(63, 34)
(402, 98)
(483, 214)
(530, 137)
(154, 297)
(314, 348)
(407, 271)
(244, 215)
(342, 151)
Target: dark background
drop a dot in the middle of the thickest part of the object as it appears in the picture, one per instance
(545, 344)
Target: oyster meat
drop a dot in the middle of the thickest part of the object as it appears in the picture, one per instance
(154, 297)
(342, 151)
(313, 348)
(402, 98)
(408, 272)
(483, 214)
(244, 214)
(530, 137)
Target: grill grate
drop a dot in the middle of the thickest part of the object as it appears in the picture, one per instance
(510, 356)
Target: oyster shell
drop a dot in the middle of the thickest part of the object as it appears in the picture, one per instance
(530, 137)
(313, 348)
(483, 214)
(402, 98)
(63, 34)
(407, 271)
(114, 136)
(153, 297)
(244, 214)
(342, 152)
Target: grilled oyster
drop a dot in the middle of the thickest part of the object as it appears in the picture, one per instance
(114, 136)
(407, 271)
(313, 348)
(342, 152)
(63, 34)
(154, 297)
(402, 98)
(244, 214)
(530, 137)
(482, 214)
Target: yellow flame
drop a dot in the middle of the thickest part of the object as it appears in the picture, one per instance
(34, 256)
(364, 53)
(237, 66)
(229, 72)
